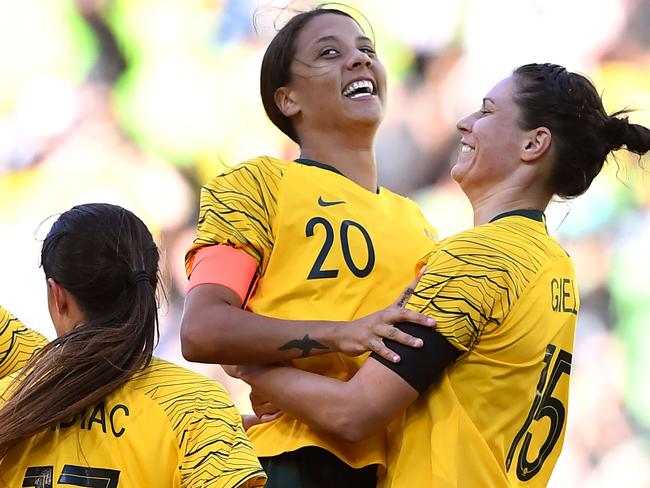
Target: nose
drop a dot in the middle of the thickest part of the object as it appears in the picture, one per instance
(464, 125)
(359, 58)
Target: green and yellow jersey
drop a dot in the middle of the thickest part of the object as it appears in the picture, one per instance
(166, 426)
(327, 249)
(504, 295)
(17, 343)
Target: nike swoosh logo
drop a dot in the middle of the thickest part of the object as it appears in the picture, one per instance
(324, 203)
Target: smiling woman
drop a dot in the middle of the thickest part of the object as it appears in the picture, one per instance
(487, 135)
(317, 57)
(484, 402)
(280, 241)
(338, 84)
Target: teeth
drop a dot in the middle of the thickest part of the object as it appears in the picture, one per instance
(465, 148)
(365, 85)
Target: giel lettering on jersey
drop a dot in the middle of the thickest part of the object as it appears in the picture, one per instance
(101, 418)
(563, 295)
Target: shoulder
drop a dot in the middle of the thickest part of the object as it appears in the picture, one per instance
(466, 241)
(265, 164)
(162, 378)
(10, 325)
(405, 204)
(260, 177)
(179, 392)
(260, 167)
(185, 398)
(7, 320)
(508, 245)
(398, 199)
(409, 207)
(17, 343)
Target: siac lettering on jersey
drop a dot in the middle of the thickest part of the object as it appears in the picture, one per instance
(563, 295)
(100, 417)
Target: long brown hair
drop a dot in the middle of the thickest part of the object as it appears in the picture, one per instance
(106, 258)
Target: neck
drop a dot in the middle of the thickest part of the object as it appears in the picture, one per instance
(353, 158)
(488, 206)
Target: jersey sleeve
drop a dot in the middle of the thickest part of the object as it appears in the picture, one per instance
(216, 450)
(238, 208)
(17, 343)
(469, 285)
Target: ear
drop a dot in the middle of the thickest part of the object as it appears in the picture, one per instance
(59, 296)
(536, 144)
(286, 102)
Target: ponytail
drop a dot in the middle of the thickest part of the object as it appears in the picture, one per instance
(105, 257)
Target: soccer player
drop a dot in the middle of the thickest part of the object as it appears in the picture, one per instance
(484, 402)
(17, 343)
(287, 253)
(93, 407)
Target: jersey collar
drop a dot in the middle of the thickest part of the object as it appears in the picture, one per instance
(311, 162)
(327, 167)
(529, 213)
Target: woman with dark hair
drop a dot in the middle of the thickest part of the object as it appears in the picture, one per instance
(287, 253)
(94, 404)
(484, 402)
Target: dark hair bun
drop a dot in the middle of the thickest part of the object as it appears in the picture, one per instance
(615, 130)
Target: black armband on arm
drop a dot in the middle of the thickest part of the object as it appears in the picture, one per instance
(420, 367)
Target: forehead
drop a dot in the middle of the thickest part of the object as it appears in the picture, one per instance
(328, 26)
(502, 93)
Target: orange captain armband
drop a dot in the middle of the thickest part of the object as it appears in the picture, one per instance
(224, 265)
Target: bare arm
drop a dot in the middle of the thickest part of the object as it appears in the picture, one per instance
(214, 329)
(363, 405)
(350, 410)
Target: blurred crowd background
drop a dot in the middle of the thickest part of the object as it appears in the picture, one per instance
(140, 102)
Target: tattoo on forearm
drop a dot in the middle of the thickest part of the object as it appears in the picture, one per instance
(405, 297)
(305, 345)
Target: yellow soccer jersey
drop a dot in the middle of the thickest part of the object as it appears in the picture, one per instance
(327, 249)
(166, 427)
(504, 294)
(17, 343)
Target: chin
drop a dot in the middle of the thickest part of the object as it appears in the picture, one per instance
(371, 113)
(457, 173)
(373, 117)
(365, 122)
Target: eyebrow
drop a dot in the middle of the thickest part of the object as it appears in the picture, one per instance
(334, 38)
(488, 99)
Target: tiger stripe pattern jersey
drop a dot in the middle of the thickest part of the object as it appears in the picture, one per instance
(241, 204)
(17, 343)
(504, 295)
(326, 249)
(167, 426)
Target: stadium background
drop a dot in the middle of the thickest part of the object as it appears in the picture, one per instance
(138, 102)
